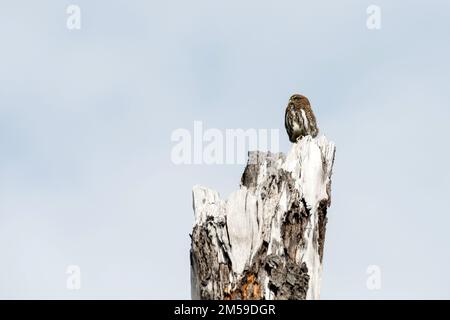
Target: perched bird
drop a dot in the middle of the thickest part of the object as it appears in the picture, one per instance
(299, 119)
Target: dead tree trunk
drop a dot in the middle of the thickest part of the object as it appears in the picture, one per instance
(266, 241)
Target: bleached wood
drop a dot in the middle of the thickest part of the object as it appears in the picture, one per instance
(266, 240)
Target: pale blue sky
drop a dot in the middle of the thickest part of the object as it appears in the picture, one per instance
(86, 118)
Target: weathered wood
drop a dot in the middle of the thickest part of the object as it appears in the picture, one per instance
(266, 241)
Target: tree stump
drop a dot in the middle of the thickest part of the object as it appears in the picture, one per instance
(266, 241)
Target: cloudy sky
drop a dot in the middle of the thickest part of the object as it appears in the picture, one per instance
(86, 118)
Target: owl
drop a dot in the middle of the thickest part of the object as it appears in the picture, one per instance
(299, 119)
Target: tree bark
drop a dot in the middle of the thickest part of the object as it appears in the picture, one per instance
(266, 241)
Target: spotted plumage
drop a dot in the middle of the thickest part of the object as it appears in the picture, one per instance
(299, 118)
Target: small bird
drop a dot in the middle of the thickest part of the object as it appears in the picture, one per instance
(299, 119)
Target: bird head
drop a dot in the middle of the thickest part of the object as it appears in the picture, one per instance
(298, 98)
